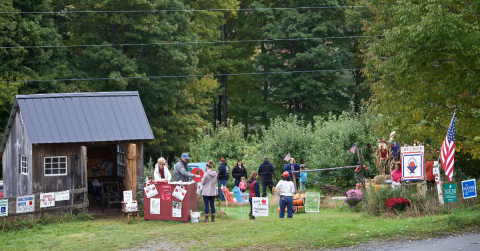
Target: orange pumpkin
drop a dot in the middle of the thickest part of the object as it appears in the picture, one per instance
(278, 209)
(300, 208)
(296, 196)
(303, 195)
(294, 202)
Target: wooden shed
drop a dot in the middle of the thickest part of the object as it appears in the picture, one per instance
(52, 139)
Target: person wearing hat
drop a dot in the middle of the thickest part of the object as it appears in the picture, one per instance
(286, 189)
(181, 169)
(222, 177)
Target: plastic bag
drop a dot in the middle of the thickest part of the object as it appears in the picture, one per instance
(195, 216)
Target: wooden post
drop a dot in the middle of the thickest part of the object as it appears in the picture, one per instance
(362, 175)
(131, 168)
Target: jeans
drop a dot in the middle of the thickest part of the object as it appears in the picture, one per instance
(237, 182)
(266, 183)
(297, 181)
(286, 202)
(209, 203)
(303, 186)
(222, 183)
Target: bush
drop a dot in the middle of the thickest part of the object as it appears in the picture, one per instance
(397, 204)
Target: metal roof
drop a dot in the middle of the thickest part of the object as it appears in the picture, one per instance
(82, 117)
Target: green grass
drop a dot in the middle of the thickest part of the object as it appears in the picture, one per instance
(329, 228)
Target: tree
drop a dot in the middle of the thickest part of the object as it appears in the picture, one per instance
(424, 67)
(174, 106)
(304, 94)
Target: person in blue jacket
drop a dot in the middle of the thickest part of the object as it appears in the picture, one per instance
(303, 178)
(295, 167)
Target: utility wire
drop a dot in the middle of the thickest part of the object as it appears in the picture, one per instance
(142, 11)
(175, 43)
(180, 76)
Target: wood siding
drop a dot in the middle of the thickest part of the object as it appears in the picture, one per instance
(14, 182)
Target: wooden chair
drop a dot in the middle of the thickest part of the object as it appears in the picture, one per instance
(110, 195)
(133, 213)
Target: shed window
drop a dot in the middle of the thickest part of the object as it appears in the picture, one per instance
(55, 166)
(120, 162)
(23, 164)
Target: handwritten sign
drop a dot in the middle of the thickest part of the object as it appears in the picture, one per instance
(25, 204)
(412, 163)
(313, 202)
(3, 208)
(155, 206)
(47, 200)
(259, 206)
(63, 195)
(127, 196)
(469, 189)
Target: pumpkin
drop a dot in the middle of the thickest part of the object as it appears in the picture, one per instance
(294, 209)
(294, 202)
(278, 209)
(303, 195)
(300, 208)
(296, 196)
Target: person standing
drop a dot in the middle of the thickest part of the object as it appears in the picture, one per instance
(286, 190)
(222, 177)
(181, 169)
(430, 178)
(253, 191)
(266, 171)
(208, 191)
(303, 178)
(161, 170)
(238, 172)
(396, 176)
(295, 167)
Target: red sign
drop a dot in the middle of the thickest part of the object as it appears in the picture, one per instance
(166, 195)
(197, 171)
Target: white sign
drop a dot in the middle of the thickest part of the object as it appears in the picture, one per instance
(176, 209)
(47, 200)
(3, 208)
(259, 206)
(155, 206)
(63, 195)
(412, 163)
(469, 189)
(25, 204)
(127, 196)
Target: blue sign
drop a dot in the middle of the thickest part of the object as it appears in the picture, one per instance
(469, 189)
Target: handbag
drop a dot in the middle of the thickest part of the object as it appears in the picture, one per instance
(150, 190)
(179, 192)
(195, 216)
(199, 188)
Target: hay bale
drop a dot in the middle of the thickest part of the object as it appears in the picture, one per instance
(380, 179)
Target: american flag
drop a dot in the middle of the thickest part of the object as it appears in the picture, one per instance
(447, 152)
(287, 158)
(353, 148)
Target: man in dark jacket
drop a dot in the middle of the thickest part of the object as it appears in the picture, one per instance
(223, 170)
(266, 172)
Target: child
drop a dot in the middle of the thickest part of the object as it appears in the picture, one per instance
(303, 178)
(242, 185)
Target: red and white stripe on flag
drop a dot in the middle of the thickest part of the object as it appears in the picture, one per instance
(447, 154)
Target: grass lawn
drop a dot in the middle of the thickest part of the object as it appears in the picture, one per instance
(330, 228)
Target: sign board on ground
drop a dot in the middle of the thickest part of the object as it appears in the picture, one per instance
(63, 195)
(469, 189)
(47, 200)
(450, 193)
(3, 208)
(259, 206)
(412, 163)
(313, 202)
(25, 204)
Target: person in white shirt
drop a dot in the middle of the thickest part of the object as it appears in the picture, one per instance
(286, 189)
(161, 170)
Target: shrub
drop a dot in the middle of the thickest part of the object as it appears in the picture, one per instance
(353, 197)
(398, 204)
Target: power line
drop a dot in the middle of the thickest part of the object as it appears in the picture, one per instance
(142, 11)
(175, 43)
(180, 76)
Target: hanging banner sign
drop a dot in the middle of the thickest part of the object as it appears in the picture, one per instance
(412, 163)
(259, 206)
(469, 189)
(63, 195)
(47, 200)
(313, 202)
(3, 208)
(150, 190)
(25, 204)
(450, 193)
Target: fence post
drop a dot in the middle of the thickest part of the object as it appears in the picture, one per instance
(362, 175)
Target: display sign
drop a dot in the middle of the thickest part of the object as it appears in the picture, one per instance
(450, 193)
(3, 208)
(166, 194)
(177, 209)
(259, 206)
(469, 189)
(63, 195)
(127, 196)
(313, 202)
(155, 206)
(25, 204)
(412, 163)
(47, 200)
(150, 190)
